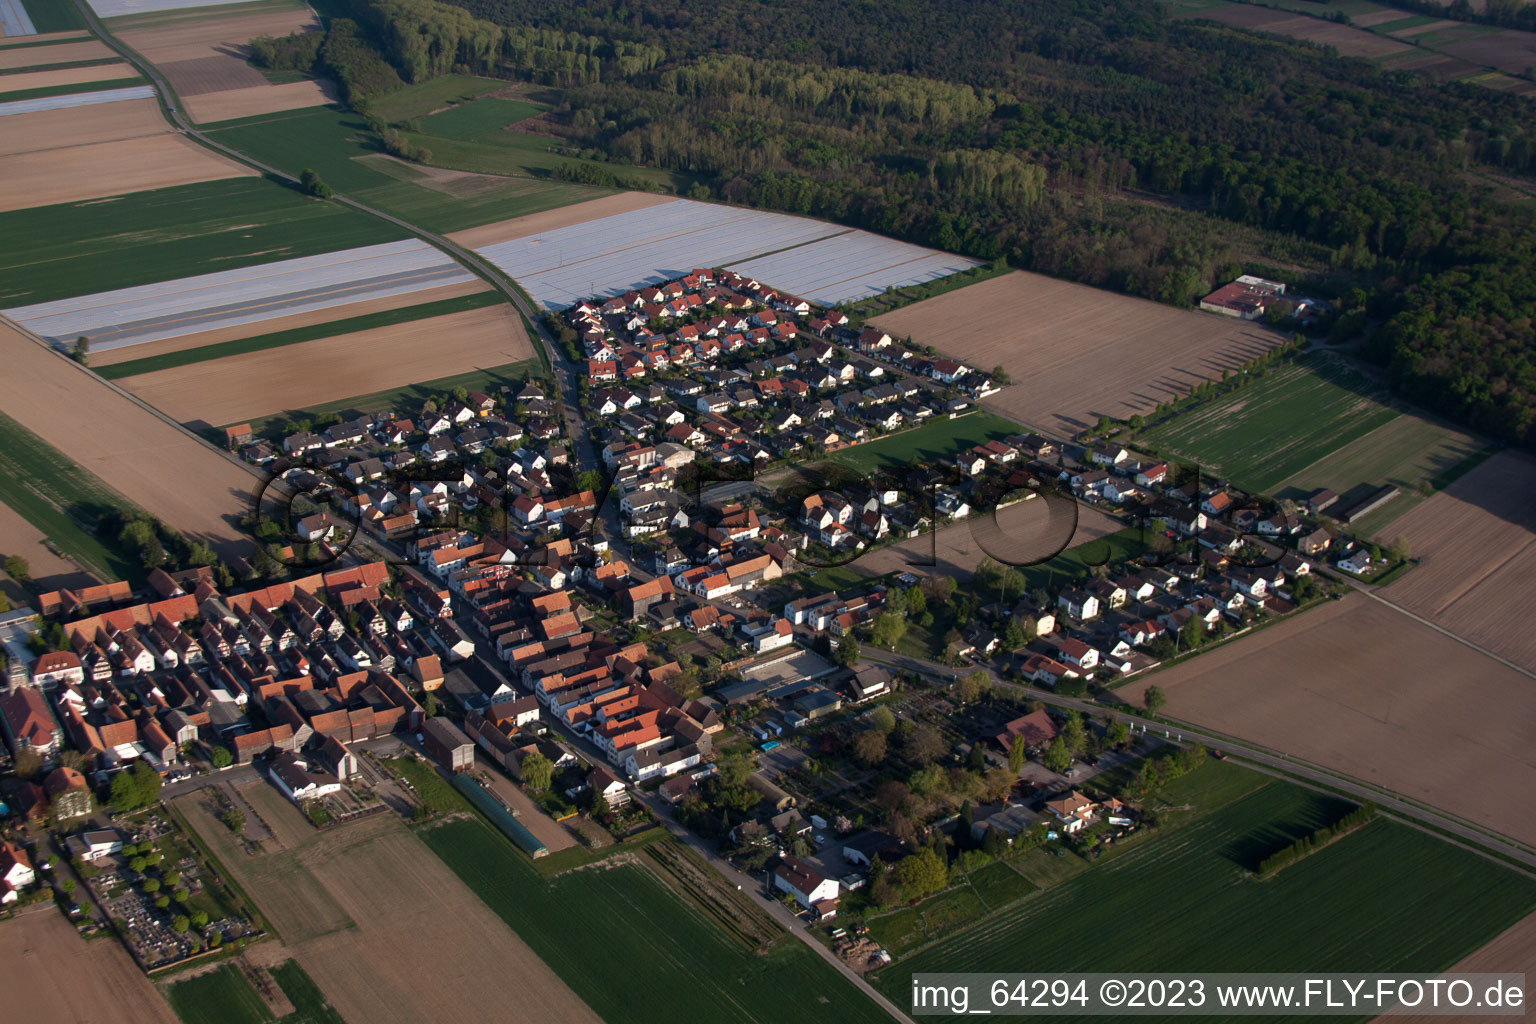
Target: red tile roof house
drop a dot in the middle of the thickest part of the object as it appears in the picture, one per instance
(810, 888)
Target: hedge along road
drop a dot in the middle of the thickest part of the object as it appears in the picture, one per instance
(586, 454)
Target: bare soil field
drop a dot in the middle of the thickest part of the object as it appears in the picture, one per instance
(226, 35)
(108, 169)
(260, 99)
(49, 973)
(1025, 531)
(562, 217)
(1477, 543)
(49, 571)
(420, 945)
(256, 384)
(1513, 952)
(1358, 687)
(81, 126)
(211, 74)
(131, 450)
(1509, 50)
(286, 323)
(49, 78)
(1077, 352)
(64, 53)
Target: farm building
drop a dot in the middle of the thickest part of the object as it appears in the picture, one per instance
(447, 744)
(1246, 298)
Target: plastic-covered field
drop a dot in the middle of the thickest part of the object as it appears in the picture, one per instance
(851, 266)
(76, 99)
(14, 20)
(130, 316)
(118, 8)
(613, 254)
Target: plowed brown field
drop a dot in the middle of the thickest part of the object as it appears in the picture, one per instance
(49, 973)
(1362, 689)
(1477, 543)
(109, 169)
(256, 384)
(131, 450)
(407, 941)
(1075, 352)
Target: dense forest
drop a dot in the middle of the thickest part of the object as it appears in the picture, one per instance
(1090, 139)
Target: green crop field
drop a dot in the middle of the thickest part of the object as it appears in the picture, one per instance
(1388, 897)
(937, 440)
(1261, 435)
(471, 121)
(338, 147)
(59, 498)
(225, 996)
(222, 996)
(424, 97)
(53, 15)
(277, 339)
(55, 252)
(677, 964)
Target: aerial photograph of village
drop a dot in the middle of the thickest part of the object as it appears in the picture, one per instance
(655, 511)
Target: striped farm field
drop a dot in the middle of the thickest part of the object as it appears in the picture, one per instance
(254, 384)
(1266, 433)
(1385, 898)
(226, 298)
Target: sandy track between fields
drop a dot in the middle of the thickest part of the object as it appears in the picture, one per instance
(286, 323)
(259, 99)
(562, 217)
(49, 973)
(1360, 688)
(256, 384)
(1477, 544)
(424, 947)
(65, 76)
(1511, 952)
(49, 571)
(1025, 534)
(1077, 352)
(64, 53)
(109, 169)
(81, 126)
(143, 458)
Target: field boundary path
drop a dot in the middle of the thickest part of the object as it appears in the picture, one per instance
(1271, 762)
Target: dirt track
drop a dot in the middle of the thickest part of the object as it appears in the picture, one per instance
(256, 384)
(64, 53)
(49, 973)
(1477, 542)
(1076, 352)
(109, 169)
(81, 126)
(286, 323)
(148, 461)
(549, 220)
(1361, 689)
(404, 940)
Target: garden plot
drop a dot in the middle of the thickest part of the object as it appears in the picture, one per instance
(611, 255)
(76, 99)
(851, 266)
(153, 312)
